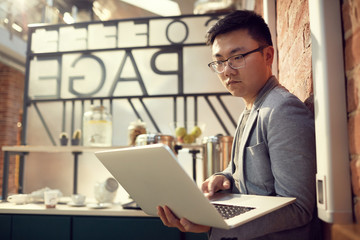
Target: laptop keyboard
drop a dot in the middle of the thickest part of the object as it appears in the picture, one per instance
(229, 211)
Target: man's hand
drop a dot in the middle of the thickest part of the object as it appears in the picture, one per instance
(184, 225)
(213, 184)
(209, 187)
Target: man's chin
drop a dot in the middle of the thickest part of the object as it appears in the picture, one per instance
(234, 93)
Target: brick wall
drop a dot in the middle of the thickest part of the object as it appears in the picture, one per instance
(11, 102)
(351, 29)
(294, 50)
(295, 73)
(294, 47)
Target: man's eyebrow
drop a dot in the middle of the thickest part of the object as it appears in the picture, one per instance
(232, 52)
(238, 49)
(218, 55)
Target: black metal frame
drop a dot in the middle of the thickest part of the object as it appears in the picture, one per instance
(174, 47)
(22, 155)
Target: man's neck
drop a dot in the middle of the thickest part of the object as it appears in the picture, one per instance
(248, 105)
(249, 102)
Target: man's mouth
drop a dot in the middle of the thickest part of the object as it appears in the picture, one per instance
(229, 82)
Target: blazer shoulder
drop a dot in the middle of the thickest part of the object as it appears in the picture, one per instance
(281, 100)
(280, 95)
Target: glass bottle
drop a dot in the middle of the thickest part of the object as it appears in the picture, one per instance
(97, 127)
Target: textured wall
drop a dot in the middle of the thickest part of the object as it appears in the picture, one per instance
(11, 102)
(351, 29)
(294, 47)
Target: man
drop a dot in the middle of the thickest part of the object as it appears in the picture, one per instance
(273, 151)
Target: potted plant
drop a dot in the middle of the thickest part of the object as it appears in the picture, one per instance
(76, 137)
(63, 139)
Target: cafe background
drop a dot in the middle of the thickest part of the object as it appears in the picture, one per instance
(293, 69)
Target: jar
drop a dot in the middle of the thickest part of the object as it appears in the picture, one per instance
(97, 127)
(105, 192)
(135, 129)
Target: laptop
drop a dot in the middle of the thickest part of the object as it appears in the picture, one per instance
(152, 176)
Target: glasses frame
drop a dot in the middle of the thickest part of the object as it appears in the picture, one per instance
(243, 55)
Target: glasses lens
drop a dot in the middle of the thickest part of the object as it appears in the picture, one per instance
(217, 66)
(237, 62)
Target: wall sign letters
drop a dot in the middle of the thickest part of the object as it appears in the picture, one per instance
(118, 58)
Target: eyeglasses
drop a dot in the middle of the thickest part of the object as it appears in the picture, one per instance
(235, 62)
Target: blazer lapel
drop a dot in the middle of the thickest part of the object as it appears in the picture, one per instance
(271, 83)
(249, 124)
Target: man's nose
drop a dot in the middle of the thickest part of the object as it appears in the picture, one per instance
(228, 70)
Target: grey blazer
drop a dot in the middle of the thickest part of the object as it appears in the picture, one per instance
(276, 156)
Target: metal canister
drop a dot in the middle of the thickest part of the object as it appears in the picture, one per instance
(226, 147)
(211, 161)
(167, 140)
(217, 154)
(146, 139)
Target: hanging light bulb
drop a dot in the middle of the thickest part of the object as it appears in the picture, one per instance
(68, 18)
(211, 6)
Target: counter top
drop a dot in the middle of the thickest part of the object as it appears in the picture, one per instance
(55, 149)
(63, 209)
(29, 148)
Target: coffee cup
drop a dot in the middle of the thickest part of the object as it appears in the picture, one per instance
(78, 199)
(51, 198)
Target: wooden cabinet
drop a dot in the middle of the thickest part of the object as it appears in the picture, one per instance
(60, 227)
(127, 228)
(5, 227)
(25, 227)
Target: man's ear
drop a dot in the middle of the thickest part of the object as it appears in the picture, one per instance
(269, 55)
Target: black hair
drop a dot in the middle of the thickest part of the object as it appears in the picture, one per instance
(241, 19)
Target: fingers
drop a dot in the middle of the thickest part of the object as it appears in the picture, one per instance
(226, 184)
(184, 225)
(168, 218)
(215, 183)
(205, 186)
(191, 227)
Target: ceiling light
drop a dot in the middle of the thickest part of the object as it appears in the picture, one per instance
(68, 18)
(159, 7)
(16, 27)
(103, 13)
(209, 6)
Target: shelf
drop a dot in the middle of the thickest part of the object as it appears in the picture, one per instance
(52, 149)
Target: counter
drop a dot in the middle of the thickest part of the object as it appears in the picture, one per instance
(33, 221)
(64, 209)
(75, 151)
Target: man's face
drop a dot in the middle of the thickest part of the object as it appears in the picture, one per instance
(247, 81)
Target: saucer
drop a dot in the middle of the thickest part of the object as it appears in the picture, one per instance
(64, 200)
(99, 205)
(72, 204)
